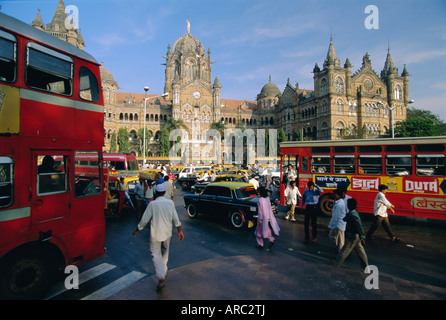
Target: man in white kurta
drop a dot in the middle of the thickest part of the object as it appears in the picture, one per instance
(291, 198)
(381, 217)
(162, 214)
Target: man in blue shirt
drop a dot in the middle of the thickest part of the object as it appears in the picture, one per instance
(310, 198)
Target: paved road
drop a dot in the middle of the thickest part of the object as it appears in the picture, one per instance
(215, 262)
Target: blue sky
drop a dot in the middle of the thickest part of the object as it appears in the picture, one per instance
(252, 39)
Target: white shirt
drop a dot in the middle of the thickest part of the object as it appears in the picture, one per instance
(205, 177)
(381, 205)
(291, 194)
(169, 190)
(149, 192)
(255, 183)
(162, 214)
(291, 175)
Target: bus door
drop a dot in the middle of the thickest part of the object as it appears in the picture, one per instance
(50, 194)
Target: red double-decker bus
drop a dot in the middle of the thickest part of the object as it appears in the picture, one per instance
(51, 115)
(412, 168)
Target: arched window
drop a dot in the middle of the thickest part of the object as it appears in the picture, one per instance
(323, 87)
(398, 92)
(339, 84)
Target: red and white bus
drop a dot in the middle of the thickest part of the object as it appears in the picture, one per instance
(51, 115)
(116, 162)
(412, 168)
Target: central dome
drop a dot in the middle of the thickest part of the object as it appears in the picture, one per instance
(106, 76)
(269, 90)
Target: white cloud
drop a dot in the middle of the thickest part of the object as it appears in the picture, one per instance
(434, 103)
(411, 56)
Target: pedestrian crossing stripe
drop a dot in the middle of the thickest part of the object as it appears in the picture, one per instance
(104, 292)
(115, 286)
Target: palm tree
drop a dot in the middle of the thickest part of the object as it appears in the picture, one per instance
(173, 124)
(219, 126)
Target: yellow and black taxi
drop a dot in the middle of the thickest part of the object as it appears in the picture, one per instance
(199, 187)
(236, 201)
(116, 192)
(186, 182)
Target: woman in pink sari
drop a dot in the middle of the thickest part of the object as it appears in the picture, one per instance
(265, 219)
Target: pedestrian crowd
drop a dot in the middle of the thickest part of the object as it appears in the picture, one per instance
(345, 227)
(154, 204)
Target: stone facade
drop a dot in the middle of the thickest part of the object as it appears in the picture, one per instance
(343, 104)
(57, 27)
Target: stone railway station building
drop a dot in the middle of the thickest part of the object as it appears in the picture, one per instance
(343, 103)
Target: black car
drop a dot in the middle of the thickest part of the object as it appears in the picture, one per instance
(236, 200)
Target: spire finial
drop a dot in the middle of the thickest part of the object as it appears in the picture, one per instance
(188, 26)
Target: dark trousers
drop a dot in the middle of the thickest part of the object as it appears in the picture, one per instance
(385, 223)
(353, 241)
(310, 215)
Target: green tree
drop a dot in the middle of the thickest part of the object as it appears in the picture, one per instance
(173, 124)
(140, 138)
(219, 126)
(113, 143)
(281, 136)
(297, 135)
(123, 140)
(419, 127)
(419, 123)
(164, 142)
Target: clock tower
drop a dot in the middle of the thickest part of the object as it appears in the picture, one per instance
(189, 84)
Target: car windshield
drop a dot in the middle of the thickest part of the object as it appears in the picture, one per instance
(245, 192)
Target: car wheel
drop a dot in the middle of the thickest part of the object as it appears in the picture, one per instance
(237, 219)
(192, 211)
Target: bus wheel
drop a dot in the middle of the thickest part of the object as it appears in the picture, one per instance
(24, 277)
(326, 205)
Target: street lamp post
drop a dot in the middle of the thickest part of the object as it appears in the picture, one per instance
(392, 109)
(391, 116)
(144, 130)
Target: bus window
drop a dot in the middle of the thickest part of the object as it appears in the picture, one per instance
(51, 177)
(344, 149)
(430, 148)
(48, 70)
(132, 165)
(398, 148)
(430, 165)
(369, 149)
(8, 51)
(399, 165)
(370, 164)
(304, 164)
(87, 173)
(320, 164)
(6, 181)
(344, 164)
(88, 85)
